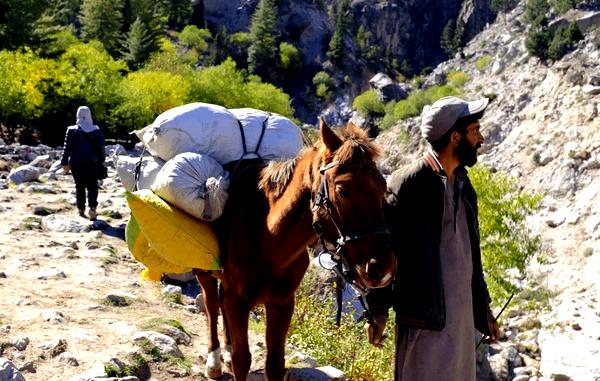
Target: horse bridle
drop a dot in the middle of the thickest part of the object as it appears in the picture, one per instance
(342, 268)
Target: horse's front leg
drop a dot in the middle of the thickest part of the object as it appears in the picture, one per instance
(227, 349)
(210, 296)
(279, 316)
(237, 311)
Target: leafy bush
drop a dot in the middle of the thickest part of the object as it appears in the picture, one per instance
(562, 6)
(506, 243)
(289, 56)
(537, 42)
(483, 62)
(225, 85)
(87, 73)
(457, 79)
(323, 82)
(24, 82)
(144, 95)
(368, 104)
(563, 40)
(345, 347)
(195, 37)
(536, 12)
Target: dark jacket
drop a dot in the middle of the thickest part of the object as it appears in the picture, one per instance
(83, 149)
(414, 208)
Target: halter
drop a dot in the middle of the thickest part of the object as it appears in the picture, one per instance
(342, 268)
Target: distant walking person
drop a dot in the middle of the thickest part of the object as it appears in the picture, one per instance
(83, 155)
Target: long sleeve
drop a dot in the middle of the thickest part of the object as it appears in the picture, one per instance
(100, 147)
(67, 149)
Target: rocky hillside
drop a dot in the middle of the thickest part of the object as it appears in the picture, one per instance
(543, 128)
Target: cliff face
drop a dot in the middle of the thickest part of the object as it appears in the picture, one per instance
(404, 30)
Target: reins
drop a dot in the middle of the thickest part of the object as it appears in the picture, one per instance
(342, 268)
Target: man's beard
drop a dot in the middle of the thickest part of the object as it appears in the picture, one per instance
(466, 154)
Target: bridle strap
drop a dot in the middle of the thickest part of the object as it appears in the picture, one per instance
(321, 200)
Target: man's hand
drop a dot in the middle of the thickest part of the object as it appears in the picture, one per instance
(494, 327)
(375, 333)
(66, 168)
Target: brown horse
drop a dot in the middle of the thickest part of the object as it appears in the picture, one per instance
(266, 226)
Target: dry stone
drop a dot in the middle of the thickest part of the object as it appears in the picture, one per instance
(8, 371)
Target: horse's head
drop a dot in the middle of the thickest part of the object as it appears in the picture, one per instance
(348, 205)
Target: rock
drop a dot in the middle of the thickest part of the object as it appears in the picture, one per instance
(64, 224)
(165, 344)
(24, 174)
(20, 343)
(8, 371)
(29, 367)
(500, 366)
(559, 377)
(591, 89)
(42, 161)
(387, 90)
(5, 329)
(301, 360)
(178, 335)
(324, 373)
(523, 377)
(199, 302)
(54, 347)
(576, 326)
(51, 274)
(53, 316)
(96, 372)
(116, 300)
(68, 358)
(171, 290)
(43, 211)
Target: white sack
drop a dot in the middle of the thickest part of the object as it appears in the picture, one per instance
(125, 166)
(213, 130)
(196, 127)
(195, 184)
(282, 138)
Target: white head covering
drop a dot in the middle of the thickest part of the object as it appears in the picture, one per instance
(84, 119)
(438, 118)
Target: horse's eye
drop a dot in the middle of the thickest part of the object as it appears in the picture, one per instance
(341, 191)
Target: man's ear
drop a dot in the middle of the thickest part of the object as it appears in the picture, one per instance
(455, 138)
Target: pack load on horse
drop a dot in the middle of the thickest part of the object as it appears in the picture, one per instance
(184, 177)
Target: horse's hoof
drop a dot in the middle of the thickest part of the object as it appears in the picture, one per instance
(213, 373)
(213, 365)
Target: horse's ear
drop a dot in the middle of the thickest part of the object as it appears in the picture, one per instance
(357, 132)
(329, 138)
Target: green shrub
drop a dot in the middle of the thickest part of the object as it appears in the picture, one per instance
(457, 79)
(289, 56)
(195, 37)
(368, 104)
(536, 12)
(323, 83)
(537, 42)
(144, 95)
(507, 244)
(563, 41)
(562, 6)
(483, 62)
(346, 347)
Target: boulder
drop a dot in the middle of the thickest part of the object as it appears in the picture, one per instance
(24, 174)
(8, 371)
(387, 90)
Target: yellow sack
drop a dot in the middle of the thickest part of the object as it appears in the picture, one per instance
(174, 235)
(140, 248)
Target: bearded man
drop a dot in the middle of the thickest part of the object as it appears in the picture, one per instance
(439, 295)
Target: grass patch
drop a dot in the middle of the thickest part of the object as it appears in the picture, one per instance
(482, 62)
(172, 298)
(31, 223)
(134, 369)
(346, 347)
(111, 214)
(156, 323)
(149, 348)
(118, 301)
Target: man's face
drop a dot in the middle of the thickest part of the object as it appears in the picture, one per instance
(470, 142)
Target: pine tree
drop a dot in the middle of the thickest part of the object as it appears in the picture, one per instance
(336, 44)
(262, 53)
(17, 21)
(102, 20)
(138, 44)
(447, 41)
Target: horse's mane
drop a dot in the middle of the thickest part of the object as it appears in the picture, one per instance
(356, 147)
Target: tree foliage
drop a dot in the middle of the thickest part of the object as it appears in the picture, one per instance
(102, 20)
(144, 95)
(17, 21)
(289, 56)
(336, 44)
(507, 244)
(563, 41)
(195, 37)
(368, 104)
(263, 34)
